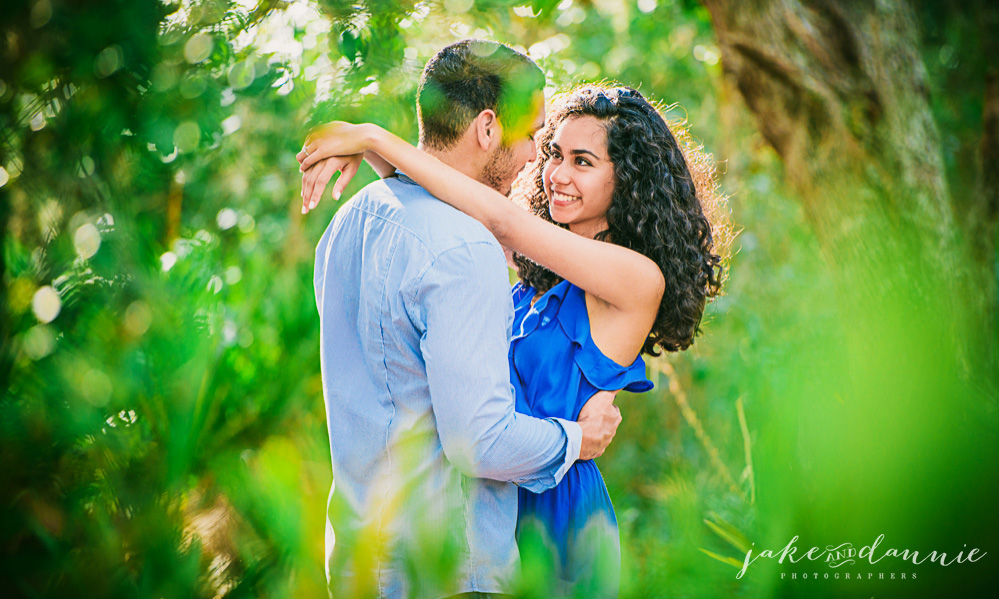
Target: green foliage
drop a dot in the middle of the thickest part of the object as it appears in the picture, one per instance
(161, 425)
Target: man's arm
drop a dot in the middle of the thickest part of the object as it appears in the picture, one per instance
(462, 303)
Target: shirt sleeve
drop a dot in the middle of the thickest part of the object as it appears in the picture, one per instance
(461, 305)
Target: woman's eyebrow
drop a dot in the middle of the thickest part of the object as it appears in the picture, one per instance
(575, 152)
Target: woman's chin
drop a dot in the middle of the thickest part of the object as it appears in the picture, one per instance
(558, 216)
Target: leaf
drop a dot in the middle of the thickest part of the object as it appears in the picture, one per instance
(544, 7)
(725, 560)
(728, 532)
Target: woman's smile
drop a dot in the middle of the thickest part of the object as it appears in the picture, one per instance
(562, 199)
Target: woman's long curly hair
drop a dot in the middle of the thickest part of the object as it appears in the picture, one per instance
(664, 194)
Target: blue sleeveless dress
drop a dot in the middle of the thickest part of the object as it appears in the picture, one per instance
(555, 368)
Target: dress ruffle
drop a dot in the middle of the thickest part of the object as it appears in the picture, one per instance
(567, 303)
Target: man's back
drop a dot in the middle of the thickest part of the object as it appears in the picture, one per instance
(414, 305)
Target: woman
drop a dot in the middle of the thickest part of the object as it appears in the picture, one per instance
(616, 259)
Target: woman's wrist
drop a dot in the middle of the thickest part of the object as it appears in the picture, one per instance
(371, 135)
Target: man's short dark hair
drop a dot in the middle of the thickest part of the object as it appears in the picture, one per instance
(468, 77)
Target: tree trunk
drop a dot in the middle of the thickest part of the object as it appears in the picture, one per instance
(985, 213)
(840, 92)
(6, 327)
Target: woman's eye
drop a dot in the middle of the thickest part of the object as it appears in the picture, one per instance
(582, 162)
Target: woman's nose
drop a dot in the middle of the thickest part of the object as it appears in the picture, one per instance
(559, 175)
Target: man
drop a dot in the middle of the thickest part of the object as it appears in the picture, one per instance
(415, 315)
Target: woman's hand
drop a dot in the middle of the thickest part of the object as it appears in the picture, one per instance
(315, 179)
(335, 139)
(329, 148)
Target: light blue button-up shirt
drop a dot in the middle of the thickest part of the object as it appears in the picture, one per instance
(415, 314)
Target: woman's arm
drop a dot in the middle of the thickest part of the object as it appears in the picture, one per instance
(622, 278)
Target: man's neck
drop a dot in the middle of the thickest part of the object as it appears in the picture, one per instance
(455, 157)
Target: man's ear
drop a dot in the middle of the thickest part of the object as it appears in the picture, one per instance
(488, 131)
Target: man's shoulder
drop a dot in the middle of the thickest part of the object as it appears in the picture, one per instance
(411, 208)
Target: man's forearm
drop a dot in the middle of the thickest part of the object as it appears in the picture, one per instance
(514, 454)
(378, 164)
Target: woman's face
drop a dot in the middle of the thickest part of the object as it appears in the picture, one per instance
(579, 176)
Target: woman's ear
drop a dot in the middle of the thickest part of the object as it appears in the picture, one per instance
(488, 131)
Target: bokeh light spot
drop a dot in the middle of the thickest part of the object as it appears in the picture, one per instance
(41, 13)
(231, 124)
(246, 223)
(19, 294)
(242, 74)
(37, 122)
(590, 71)
(138, 317)
(706, 54)
(87, 240)
(167, 260)
(193, 86)
(108, 61)
(171, 156)
(164, 76)
(50, 217)
(525, 12)
(198, 48)
(38, 342)
(186, 136)
(226, 218)
(96, 387)
(87, 166)
(46, 304)
(458, 6)
(229, 332)
(215, 284)
(233, 275)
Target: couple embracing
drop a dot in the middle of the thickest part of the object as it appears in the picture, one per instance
(464, 418)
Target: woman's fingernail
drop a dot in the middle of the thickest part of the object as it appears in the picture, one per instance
(336, 195)
(304, 209)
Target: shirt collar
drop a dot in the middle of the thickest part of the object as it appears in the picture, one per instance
(404, 177)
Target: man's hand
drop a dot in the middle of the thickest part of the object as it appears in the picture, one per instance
(599, 420)
(315, 179)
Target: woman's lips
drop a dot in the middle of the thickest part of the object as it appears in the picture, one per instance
(561, 199)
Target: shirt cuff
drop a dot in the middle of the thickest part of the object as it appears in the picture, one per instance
(574, 433)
